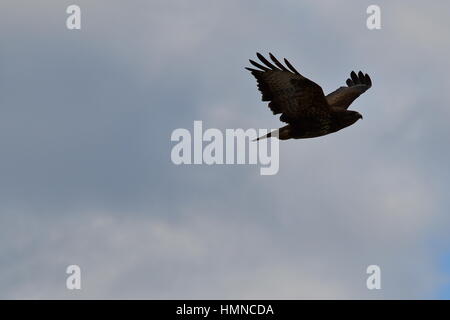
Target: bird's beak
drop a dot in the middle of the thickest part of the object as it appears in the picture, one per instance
(360, 116)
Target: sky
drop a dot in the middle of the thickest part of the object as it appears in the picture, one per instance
(87, 179)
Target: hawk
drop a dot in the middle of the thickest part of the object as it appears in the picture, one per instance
(302, 103)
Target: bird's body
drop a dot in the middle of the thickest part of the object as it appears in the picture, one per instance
(302, 103)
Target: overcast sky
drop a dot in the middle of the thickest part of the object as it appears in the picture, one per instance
(86, 176)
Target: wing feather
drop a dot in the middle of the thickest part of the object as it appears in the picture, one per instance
(266, 62)
(290, 66)
(256, 64)
(288, 92)
(278, 63)
(343, 97)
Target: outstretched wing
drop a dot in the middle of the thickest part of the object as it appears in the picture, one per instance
(343, 97)
(289, 93)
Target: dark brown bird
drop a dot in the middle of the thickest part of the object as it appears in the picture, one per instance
(302, 103)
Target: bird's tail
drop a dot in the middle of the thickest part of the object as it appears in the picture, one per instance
(274, 133)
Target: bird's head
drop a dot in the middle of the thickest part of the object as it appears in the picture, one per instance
(358, 115)
(349, 117)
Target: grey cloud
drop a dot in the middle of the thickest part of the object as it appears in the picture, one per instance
(86, 172)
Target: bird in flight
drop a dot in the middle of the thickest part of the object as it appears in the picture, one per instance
(302, 103)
